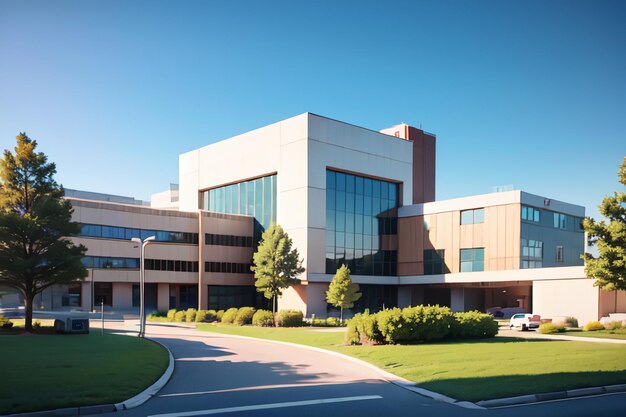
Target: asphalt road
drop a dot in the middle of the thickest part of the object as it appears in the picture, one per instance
(222, 375)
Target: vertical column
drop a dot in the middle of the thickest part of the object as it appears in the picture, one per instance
(202, 299)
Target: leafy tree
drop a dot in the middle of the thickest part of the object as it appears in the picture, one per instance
(275, 264)
(342, 292)
(609, 268)
(35, 223)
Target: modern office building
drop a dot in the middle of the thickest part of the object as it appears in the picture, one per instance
(346, 195)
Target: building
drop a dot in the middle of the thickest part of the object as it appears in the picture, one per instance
(345, 194)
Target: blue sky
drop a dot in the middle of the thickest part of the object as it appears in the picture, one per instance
(529, 93)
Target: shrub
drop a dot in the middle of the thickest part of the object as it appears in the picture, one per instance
(157, 313)
(549, 328)
(205, 316)
(333, 322)
(263, 318)
(290, 318)
(412, 324)
(570, 322)
(36, 324)
(244, 316)
(229, 315)
(219, 314)
(363, 329)
(614, 325)
(473, 325)
(593, 326)
(190, 315)
(5, 323)
(179, 316)
(170, 314)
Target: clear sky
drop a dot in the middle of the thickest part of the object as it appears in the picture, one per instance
(528, 93)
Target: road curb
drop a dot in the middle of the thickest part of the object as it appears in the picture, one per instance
(552, 396)
(135, 401)
(149, 392)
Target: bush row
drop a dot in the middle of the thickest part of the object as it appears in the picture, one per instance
(417, 324)
(238, 316)
(5, 323)
(190, 315)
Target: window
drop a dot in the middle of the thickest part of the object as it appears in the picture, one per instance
(255, 197)
(126, 233)
(222, 297)
(359, 211)
(532, 253)
(473, 216)
(560, 256)
(434, 262)
(227, 267)
(560, 221)
(472, 260)
(228, 240)
(103, 293)
(531, 214)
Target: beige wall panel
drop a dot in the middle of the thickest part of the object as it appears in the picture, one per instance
(453, 259)
(163, 297)
(410, 268)
(171, 277)
(294, 298)
(122, 295)
(466, 234)
(500, 252)
(478, 236)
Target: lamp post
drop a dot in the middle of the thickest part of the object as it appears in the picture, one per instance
(142, 282)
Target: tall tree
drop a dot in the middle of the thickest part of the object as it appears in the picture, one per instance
(609, 268)
(275, 264)
(342, 292)
(35, 223)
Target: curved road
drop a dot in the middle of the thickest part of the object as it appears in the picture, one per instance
(222, 375)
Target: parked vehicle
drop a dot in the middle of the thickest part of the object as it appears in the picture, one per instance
(525, 321)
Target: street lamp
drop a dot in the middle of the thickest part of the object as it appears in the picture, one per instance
(142, 282)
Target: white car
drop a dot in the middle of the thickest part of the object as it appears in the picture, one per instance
(524, 321)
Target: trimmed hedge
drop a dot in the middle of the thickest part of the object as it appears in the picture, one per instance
(418, 324)
(229, 315)
(219, 314)
(550, 328)
(593, 326)
(473, 325)
(179, 316)
(263, 318)
(205, 316)
(244, 316)
(290, 318)
(190, 315)
(170, 314)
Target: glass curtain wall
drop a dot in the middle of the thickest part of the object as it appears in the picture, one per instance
(250, 198)
(359, 211)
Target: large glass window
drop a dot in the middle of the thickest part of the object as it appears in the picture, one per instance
(127, 233)
(532, 253)
(472, 260)
(434, 262)
(252, 198)
(359, 211)
(223, 297)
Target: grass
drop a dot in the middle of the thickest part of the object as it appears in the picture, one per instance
(605, 334)
(473, 370)
(43, 372)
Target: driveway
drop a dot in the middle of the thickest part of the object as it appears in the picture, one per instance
(222, 375)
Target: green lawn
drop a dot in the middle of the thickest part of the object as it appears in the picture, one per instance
(605, 334)
(473, 370)
(42, 372)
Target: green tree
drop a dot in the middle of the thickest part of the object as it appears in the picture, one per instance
(342, 292)
(275, 264)
(35, 223)
(609, 268)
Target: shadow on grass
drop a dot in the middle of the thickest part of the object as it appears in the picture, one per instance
(487, 388)
(491, 340)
